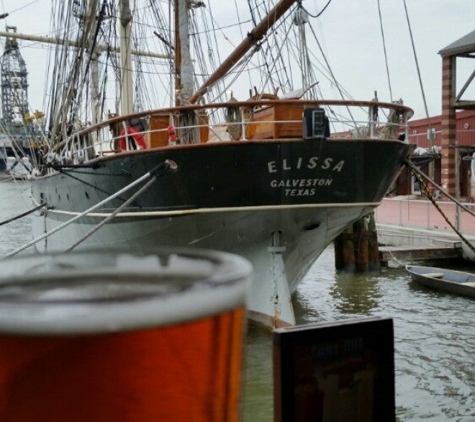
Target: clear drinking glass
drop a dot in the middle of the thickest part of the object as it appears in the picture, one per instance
(122, 336)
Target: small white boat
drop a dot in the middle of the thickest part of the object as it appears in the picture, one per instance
(458, 282)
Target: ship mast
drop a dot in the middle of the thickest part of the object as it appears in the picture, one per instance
(177, 50)
(185, 88)
(126, 97)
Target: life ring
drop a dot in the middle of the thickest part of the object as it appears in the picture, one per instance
(132, 134)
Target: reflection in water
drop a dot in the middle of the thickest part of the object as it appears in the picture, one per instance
(356, 294)
(14, 201)
(258, 387)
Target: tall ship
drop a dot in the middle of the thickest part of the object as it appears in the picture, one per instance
(20, 131)
(171, 125)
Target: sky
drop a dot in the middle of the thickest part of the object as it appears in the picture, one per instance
(351, 36)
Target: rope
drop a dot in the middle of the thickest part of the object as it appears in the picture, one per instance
(22, 215)
(333, 77)
(71, 169)
(159, 169)
(416, 61)
(427, 178)
(393, 258)
(68, 173)
(110, 217)
(429, 196)
(319, 13)
(385, 53)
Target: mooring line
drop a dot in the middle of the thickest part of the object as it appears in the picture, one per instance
(22, 215)
(158, 170)
(423, 178)
(393, 258)
(119, 209)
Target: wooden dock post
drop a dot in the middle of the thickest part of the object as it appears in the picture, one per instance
(374, 260)
(361, 246)
(356, 248)
(345, 251)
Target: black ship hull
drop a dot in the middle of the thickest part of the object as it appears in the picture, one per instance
(278, 203)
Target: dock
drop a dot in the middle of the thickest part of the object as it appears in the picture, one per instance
(414, 231)
(403, 254)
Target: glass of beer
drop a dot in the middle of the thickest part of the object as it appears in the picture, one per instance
(123, 336)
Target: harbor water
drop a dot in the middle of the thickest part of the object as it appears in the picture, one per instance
(434, 334)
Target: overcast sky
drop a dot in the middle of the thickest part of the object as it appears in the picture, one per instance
(350, 33)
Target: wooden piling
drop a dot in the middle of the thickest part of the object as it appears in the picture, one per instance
(345, 251)
(356, 249)
(361, 246)
(374, 260)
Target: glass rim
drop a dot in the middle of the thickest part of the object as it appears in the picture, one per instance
(166, 286)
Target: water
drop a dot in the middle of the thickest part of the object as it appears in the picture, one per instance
(434, 340)
(434, 337)
(14, 200)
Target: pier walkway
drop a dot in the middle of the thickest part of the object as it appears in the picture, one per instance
(422, 214)
(414, 229)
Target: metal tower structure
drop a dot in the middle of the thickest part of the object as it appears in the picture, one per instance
(13, 82)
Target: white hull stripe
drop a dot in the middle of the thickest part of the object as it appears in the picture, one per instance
(217, 210)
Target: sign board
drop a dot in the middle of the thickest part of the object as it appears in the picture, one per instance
(339, 371)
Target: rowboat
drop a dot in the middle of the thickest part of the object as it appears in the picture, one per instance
(458, 282)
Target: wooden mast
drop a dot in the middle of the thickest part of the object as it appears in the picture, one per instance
(253, 37)
(63, 41)
(186, 65)
(177, 55)
(126, 83)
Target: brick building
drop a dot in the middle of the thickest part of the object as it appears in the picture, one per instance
(447, 142)
(420, 132)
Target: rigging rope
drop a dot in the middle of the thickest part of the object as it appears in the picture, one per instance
(385, 52)
(415, 59)
(21, 215)
(110, 217)
(160, 169)
(337, 85)
(68, 173)
(319, 13)
(422, 178)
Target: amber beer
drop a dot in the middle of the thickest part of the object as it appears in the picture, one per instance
(112, 336)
